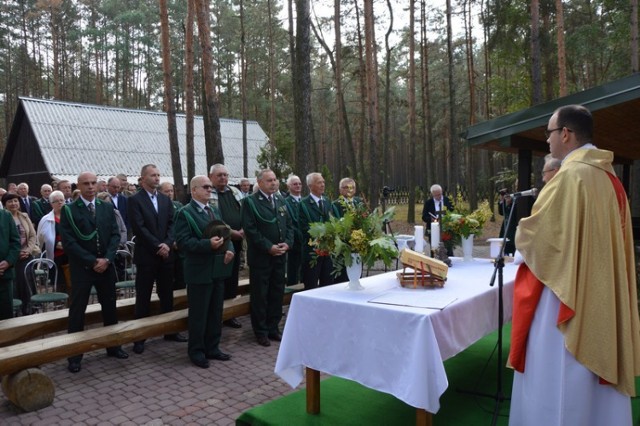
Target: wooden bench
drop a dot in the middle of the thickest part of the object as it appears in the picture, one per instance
(15, 358)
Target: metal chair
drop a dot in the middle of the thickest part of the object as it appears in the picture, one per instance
(42, 274)
(126, 283)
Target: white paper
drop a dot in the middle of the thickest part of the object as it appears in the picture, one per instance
(417, 298)
(435, 235)
(419, 239)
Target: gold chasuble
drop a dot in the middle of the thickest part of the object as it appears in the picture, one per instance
(578, 242)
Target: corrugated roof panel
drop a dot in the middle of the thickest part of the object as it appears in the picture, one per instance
(76, 137)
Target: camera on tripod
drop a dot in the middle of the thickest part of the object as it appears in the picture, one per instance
(386, 191)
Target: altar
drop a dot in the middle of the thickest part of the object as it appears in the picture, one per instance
(390, 338)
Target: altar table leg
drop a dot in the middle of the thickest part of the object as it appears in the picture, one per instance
(423, 417)
(313, 391)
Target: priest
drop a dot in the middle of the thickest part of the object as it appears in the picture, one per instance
(575, 341)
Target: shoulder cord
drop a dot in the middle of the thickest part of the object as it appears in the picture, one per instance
(76, 231)
(191, 221)
(255, 211)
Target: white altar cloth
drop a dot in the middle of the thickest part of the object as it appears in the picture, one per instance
(394, 349)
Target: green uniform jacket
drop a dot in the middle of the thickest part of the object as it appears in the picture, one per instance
(294, 211)
(201, 264)
(85, 239)
(310, 212)
(9, 243)
(265, 226)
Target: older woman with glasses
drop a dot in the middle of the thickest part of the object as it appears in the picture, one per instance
(28, 248)
(49, 237)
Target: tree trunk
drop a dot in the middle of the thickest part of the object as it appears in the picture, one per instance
(634, 36)
(169, 105)
(373, 123)
(189, 91)
(471, 166)
(428, 154)
(562, 56)
(411, 213)
(302, 88)
(536, 79)
(387, 96)
(213, 143)
(452, 172)
(243, 92)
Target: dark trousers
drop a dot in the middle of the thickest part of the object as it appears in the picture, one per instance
(231, 283)
(146, 274)
(318, 275)
(205, 318)
(267, 291)
(22, 289)
(105, 285)
(294, 262)
(6, 299)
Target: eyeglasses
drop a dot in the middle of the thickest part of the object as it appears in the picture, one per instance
(548, 171)
(207, 186)
(548, 132)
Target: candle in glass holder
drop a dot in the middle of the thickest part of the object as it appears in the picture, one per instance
(435, 235)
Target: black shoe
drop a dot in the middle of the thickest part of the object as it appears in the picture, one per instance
(202, 363)
(138, 347)
(220, 356)
(117, 353)
(233, 323)
(74, 366)
(178, 337)
(263, 341)
(277, 337)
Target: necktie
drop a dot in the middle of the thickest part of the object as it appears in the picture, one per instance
(209, 212)
(321, 205)
(154, 201)
(26, 204)
(272, 201)
(92, 210)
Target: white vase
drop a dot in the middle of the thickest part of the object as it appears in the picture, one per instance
(467, 248)
(354, 272)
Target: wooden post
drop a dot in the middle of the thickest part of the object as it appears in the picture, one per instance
(423, 417)
(313, 391)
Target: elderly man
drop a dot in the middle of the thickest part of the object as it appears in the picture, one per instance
(64, 186)
(434, 208)
(119, 200)
(41, 207)
(294, 255)
(90, 237)
(205, 264)
(228, 199)
(575, 341)
(245, 187)
(550, 168)
(25, 199)
(315, 207)
(269, 232)
(151, 215)
(347, 188)
(9, 254)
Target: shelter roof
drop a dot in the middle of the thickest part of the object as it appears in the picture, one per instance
(616, 112)
(75, 137)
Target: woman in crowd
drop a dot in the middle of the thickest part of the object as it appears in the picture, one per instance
(28, 249)
(49, 237)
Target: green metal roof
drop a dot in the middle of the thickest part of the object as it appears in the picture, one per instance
(616, 112)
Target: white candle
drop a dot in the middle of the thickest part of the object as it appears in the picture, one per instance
(435, 235)
(419, 239)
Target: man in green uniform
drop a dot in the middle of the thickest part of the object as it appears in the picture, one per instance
(9, 253)
(269, 231)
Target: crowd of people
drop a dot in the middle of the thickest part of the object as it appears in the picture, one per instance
(201, 245)
(575, 343)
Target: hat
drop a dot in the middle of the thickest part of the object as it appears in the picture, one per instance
(9, 196)
(217, 228)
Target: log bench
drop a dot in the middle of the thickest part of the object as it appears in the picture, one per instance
(30, 389)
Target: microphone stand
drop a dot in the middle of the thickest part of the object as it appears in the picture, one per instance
(498, 396)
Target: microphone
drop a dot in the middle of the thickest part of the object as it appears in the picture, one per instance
(533, 192)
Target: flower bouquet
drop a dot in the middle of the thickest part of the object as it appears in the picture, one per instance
(456, 224)
(357, 232)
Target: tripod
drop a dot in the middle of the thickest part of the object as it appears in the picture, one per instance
(498, 396)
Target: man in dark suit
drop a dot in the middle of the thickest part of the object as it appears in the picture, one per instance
(269, 231)
(434, 208)
(151, 216)
(315, 207)
(26, 200)
(90, 238)
(294, 255)
(41, 206)
(9, 254)
(118, 199)
(207, 260)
